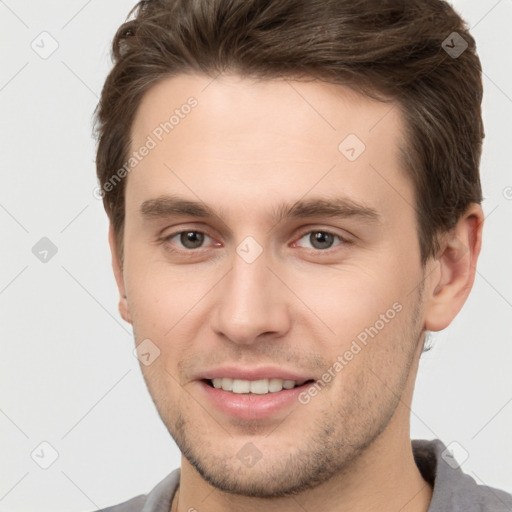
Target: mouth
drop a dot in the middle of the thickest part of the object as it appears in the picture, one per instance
(255, 387)
(267, 399)
(265, 393)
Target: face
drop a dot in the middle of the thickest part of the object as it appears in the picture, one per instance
(271, 259)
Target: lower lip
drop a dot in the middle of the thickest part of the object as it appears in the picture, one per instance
(250, 406)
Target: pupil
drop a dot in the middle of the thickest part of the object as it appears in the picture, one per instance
(321, 240)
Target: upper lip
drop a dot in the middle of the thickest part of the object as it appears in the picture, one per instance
(259, 373)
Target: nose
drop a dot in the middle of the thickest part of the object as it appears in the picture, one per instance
(251, 302)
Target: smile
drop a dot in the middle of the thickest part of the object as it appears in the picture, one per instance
(257, 387)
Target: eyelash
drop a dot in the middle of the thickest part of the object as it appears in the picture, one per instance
(343, 241)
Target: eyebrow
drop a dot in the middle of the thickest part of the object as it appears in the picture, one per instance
(342, 207)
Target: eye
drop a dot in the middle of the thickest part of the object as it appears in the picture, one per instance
(321, 240)
(189, 239)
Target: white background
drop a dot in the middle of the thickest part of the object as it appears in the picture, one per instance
(68, 375)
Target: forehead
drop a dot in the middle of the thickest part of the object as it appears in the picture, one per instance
(267, 138)
(284, 108)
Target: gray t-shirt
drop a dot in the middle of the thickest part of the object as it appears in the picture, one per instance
(454, 491)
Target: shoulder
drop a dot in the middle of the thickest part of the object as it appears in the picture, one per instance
(468, 495)
(158, 500)
(454, 490)
(134, 505)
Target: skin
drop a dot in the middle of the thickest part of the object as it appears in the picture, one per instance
(245, 148)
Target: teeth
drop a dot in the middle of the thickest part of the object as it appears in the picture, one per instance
(241, 386)
(275, 385)
(227, 384)
(258, 387)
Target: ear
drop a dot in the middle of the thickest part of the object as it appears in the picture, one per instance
(454, 272)
(124, 308)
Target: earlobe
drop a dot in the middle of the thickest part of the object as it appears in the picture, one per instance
(456, 267)
(124, 308)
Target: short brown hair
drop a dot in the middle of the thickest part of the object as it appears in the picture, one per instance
(391, 50)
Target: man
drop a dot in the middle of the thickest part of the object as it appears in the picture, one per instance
(294, 197)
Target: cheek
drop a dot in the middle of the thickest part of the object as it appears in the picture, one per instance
(375, 324)
(159, 293)
(351, 301)
(159, 305)
(371, 363)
